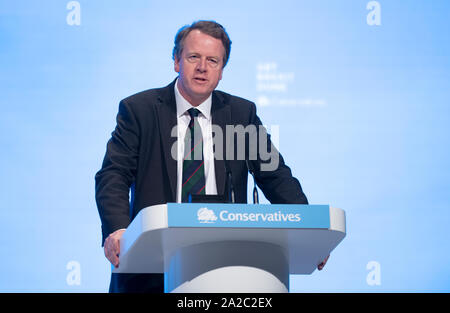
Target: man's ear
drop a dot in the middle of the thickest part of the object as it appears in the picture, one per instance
(176, 64)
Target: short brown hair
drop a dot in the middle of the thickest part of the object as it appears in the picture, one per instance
(210, 28)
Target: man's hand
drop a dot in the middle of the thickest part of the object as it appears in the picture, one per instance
(321, 265)
(112, 247)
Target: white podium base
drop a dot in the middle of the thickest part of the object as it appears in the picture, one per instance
(251, 280)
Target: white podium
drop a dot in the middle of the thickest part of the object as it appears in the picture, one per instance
(215, 247)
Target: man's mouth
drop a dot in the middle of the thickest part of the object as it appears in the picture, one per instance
(200, 79)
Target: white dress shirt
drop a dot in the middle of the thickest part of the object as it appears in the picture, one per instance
(204, 120)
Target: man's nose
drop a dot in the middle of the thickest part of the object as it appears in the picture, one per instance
(202, 65)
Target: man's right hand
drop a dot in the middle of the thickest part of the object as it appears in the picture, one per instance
(112, 247)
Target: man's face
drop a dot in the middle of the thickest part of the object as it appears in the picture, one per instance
(200, 66)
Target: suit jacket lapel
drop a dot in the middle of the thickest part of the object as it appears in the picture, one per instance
(221, 116)
(167, 116)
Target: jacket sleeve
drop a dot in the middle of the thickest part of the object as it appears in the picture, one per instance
(272, 175)
(118, 172)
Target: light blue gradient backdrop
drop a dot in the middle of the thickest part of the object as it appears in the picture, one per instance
(368, 131)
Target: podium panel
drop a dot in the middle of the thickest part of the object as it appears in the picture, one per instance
(241, 266)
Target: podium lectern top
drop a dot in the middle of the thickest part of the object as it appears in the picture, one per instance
(305, 233)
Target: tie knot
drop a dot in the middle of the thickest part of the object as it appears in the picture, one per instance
(193, 112)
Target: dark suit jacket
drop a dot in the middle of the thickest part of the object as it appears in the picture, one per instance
(138, 156)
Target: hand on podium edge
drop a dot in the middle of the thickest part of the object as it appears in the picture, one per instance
(112, 247)
(322, 265)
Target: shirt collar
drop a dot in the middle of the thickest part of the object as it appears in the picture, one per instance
(183, 105)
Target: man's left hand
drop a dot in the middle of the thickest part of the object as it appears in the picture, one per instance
(321, 265)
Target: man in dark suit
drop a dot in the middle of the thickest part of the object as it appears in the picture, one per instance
(140, 157)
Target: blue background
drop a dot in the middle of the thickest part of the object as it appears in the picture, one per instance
(363, 114)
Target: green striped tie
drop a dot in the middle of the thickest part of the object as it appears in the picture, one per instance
(193, 163)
